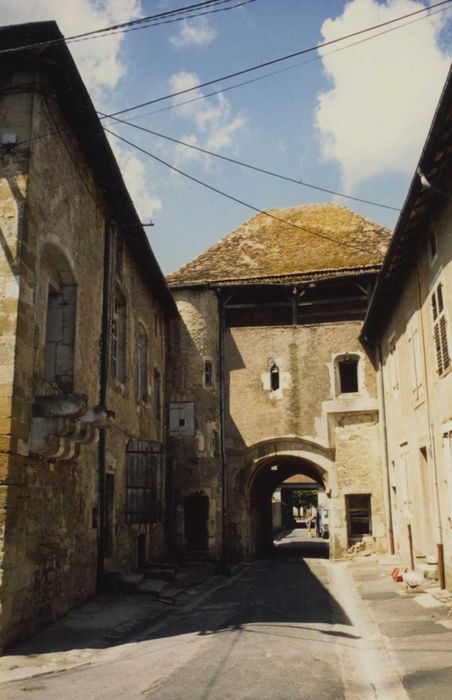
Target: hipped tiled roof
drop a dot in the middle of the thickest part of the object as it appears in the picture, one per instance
(317, 237)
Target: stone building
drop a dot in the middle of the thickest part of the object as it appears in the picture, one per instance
(269, 379)
(408, 324)
(83, 317)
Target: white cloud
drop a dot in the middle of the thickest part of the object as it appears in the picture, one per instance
(375, 117)
(215, 125)
(99, 60)
(101, 66)
(136, 176)
(195, 32)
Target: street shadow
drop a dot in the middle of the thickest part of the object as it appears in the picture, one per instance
(279, 596)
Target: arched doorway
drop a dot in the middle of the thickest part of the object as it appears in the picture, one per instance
(271, 474)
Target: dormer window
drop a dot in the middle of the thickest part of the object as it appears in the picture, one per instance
(274, 377)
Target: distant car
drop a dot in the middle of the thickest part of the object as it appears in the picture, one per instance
(323, 527)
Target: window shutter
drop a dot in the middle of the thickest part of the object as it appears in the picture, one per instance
(145, 473)
(443, 341)
(440, 330)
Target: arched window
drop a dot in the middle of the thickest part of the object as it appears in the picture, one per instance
(274, 377)
(142, 365)
(60, 319)
(347, 374)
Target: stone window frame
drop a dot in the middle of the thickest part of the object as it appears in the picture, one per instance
(118, 350)
(57, 268)
(142, 371)
(205, 374)
(359, 374)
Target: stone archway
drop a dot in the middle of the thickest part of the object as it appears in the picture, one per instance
(269, 463)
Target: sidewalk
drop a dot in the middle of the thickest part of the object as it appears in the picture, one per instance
(86, 634)
(416, 627)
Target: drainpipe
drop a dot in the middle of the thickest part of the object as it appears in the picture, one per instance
(103, 377)
(384, 435)
(431, 433)
(223, 568)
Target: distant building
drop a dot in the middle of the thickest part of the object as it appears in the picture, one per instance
(269, 379)
(83, 317)
(409, 324)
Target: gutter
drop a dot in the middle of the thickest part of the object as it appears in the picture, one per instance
(103, 377)
(223, 568)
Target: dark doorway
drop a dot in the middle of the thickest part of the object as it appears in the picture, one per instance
(196, 515)
(141, 551)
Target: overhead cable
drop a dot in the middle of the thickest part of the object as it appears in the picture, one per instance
(235, 199)
(273, 61)
(253, 167)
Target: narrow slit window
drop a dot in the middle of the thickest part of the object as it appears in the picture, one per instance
(142, 369)
(274, 377)
(348, 376)
(208, 373)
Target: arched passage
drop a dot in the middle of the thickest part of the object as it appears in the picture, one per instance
(270, 474)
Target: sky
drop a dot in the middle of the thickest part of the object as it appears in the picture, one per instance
(351, 117)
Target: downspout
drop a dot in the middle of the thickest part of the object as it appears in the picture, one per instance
(103, 377)
(440, 543)
(384, 438)
(224, 569)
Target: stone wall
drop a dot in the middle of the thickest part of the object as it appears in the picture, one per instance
(53, 218)
(334, 434)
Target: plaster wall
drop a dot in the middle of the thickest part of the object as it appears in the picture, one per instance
(419, 453)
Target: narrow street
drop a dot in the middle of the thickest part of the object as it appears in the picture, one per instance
(291, 627)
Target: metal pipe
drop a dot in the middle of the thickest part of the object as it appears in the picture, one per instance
(384, 436)
(103, 378)
(221, 326)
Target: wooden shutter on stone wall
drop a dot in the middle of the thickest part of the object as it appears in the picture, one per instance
(145, 482)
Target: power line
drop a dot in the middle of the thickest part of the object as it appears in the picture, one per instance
(253, 167)
(235, 199)
(283, 70)
(276, 60)
(176, 15)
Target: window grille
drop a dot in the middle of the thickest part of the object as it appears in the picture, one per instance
(145, 482)
(440, 334)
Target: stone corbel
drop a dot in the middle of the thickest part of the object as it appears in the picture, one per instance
(61, 424)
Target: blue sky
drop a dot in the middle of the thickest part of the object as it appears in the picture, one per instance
(352, 120)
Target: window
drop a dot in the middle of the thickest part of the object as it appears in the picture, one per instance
(348, 374)
(208, 373)
(414, 351)
(182, 419)
(274, 377)
(440, 330)
(60, 337)
(157, 395)
(215, 443)
(432, 245)
(118, 339)
(392, 361)
(358, 516)
(142, 366)
(145, 481)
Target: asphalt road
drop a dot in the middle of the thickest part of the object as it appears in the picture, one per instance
(278, 631)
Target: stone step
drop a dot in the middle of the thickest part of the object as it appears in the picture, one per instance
(169, 595)
(152, 587)
(160, 573)
(131, 582)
